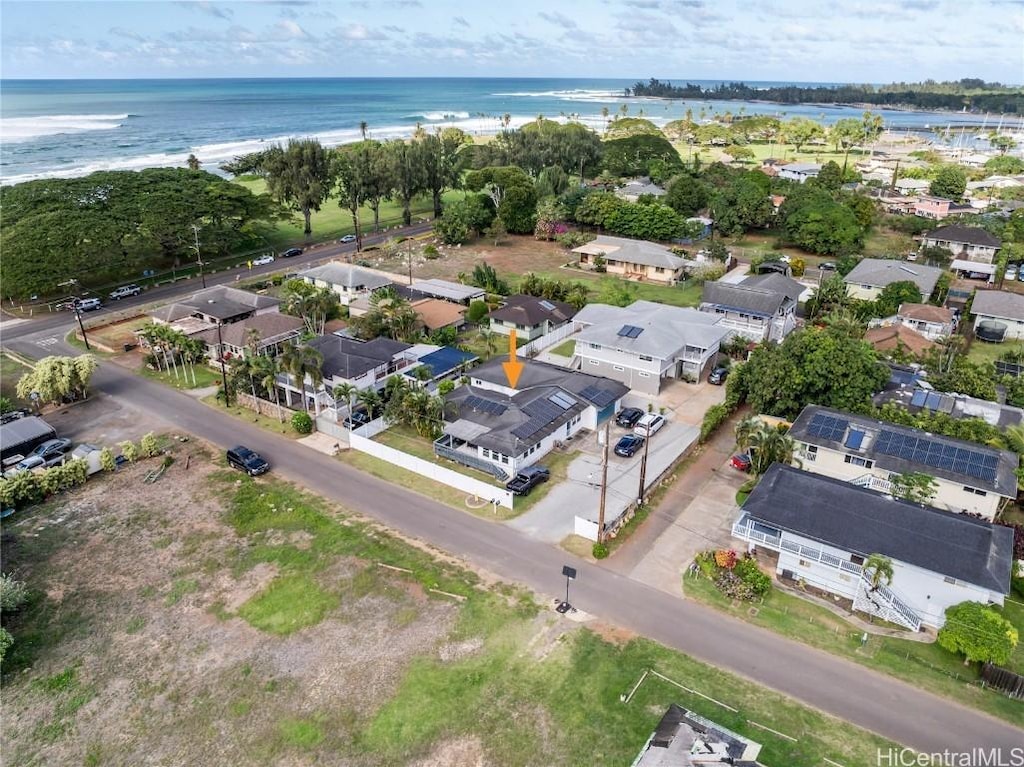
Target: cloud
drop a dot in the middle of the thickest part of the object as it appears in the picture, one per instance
(127, 34)
(210, 9)
(359, 32)
(291, 29)
(558, 19)
(461, 22)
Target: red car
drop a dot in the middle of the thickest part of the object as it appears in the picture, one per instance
(740, 461)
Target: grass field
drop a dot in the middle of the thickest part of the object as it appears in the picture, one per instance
(256, 625)
(924, 665)
(332, 221)
(565, 349)
(205, 376)
(985, 352)
(10, 371)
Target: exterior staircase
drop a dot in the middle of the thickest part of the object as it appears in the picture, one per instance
(871, 482)
(883, 603)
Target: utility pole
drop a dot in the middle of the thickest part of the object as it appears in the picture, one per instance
(409, 262)
(199, 260)
(604, 483)
(223, 371)
(78, 313)
(643, 472)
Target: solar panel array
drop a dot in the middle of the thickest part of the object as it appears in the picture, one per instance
(938, 455)
(563, 400)
(485, 405)
(542, 411)
(600, 397)
(630, 331)
(547, 305)
(932, 400)
(827, 427)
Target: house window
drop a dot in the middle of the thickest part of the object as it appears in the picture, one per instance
(504, 459)
(975, 491)
(618, 367)
(866, 287)
(595, 346)
(857, 560)
(645, 358)
(594, 362)
(644, 375)
(856, 460)
(659, 270)
(811, 453)
(947, 579)
(804, 563)
(486, 452)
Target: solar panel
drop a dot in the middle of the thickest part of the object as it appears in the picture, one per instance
(543, 408)
(918, 398)
(600, 397)
(630, 331)
(827, 427)
(934, 401)
(937, 455)
(531, 427)
(564, 401)
(548, 305)
(855, 439)
(485, 405)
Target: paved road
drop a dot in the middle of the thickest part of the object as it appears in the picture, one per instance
(844, 689)
(53, 320)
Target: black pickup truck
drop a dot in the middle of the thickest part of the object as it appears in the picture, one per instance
(527, 479)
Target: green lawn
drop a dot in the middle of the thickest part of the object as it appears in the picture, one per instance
(556, 702)
(10, 371)
(924, 665)
(332, 221)
(684, 294)
(205, 376)
(264, 422)
(565, 349)
(985, 352)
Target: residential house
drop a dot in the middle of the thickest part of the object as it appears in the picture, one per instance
(432, 313)
(761, 307)
(872, 275)
(823, 531)
(1002, 308)
(912, 186)
(221, 305)
(633, 189)
(923, 399)
(499, 429)
(265, 334)
(938, 208)
(455, 292)
(897, 204)
(646, 344)
(685, 739)
(445, 364)
(896, 337)
(348, 281)
(969, 477)
(933, 322)
(633, 259)
(799, 171)
(966, 243)
(531, 317)
(365, 364)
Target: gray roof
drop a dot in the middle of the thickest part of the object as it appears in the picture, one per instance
(347, 275)
(639, 186)
(265, 326)
(513, 422)
(801, 167)
(531, 310)
(632, 252)
(957, 406)
(221, 302)
(776, 282)
(965, 235)
(348, 358)
(24, 429)
(999, 304)
(665, 330)
(865, 522)
(680, 731)
(879, 272)
(450, 291)
(999, 476)
(744, 297)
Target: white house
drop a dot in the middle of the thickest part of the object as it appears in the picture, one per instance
(495, 428)
(633, 189)
(871, 276)
(969, 477)
(761, 307)
(221, 305)
(644, 344)
(966, 243)
(933, 322)
(1001, 307)
(632, 259)
(799, 171)
(349, 282)
(823, 530)
(531, 317)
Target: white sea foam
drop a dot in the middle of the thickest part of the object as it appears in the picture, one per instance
(577, 94)
(440, 116)
(14, 129)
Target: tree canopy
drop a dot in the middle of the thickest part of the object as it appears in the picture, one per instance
(634, 155)
(979, 632)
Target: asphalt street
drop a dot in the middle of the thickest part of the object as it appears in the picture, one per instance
(839, 687)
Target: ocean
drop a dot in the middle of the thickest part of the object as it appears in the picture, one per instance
(65, 128)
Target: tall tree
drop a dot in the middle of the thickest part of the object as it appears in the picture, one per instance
(847, 133)
(979, 632)
(193, 162)
(352, 171)
(380, 183)
(439, 158)
(801, 131)
(408, 175)
(302, 362)
(299, 177)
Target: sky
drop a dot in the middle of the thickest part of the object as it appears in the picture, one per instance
(791, 40)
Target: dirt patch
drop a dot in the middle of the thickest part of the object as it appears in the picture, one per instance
(613, 634)
(458, 650)
(461, 752)
(141, 657)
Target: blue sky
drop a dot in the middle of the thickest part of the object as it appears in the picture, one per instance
(797, 40)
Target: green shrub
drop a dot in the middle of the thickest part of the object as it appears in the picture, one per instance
(748, 572)
(107, 461)
(302, 423)
(445, 387)
(1017, 584)
(277, 280)
(129, 450)
(430, 252)
(713, 418)
(477, 311)
(13, 593)
(600, 551)
(706, 562)
(149, 445)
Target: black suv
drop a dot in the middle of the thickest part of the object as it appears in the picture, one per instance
(628, 417)
(292, 252)
(249, 461)
(523, 482)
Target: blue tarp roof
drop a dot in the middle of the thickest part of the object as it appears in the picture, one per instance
(444, 360)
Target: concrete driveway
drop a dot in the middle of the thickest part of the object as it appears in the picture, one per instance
(553, 518)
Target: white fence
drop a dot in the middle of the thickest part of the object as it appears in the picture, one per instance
(430, 470)
(552, 338)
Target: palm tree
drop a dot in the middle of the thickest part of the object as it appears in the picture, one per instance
(301, 362)
(363, 127)
(879, 570)
(269, 370)
(371, 400)
(346, 391)
(486, 336)
(768, 445)
(193, 162)
(745, 431)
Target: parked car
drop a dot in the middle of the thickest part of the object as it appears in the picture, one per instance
(527, 479)
(718, 376)
(249, 461)
(649, 425)
(262, 260)
(628, 417)
(1011, 272)
(52, 448)
(124, 292)
(828, 266)
(911, 256)
(1020, 275)
(358, 417)
(25, 464)
(628, 445)
(87, 304)
(292, 252)
(347, 238)
(740, 461)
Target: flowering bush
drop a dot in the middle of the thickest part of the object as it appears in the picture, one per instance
(732, 586)
(758, 582)
(725, 558)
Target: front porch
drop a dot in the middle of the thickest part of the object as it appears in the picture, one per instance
(459, 450)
